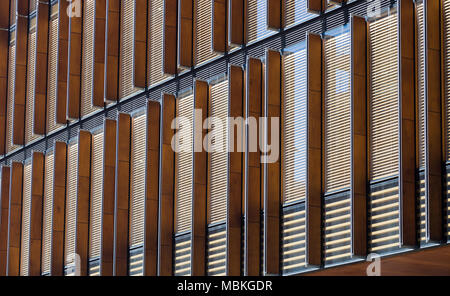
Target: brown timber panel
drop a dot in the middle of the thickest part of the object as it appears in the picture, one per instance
(273, 188)
(234, 208)
(83, 196)
(109, 178)
(407, 45)
(112, 51)
(4, 217)
(152, 187)
(140, 44)
(18, 127)
(359, 133)
(314, 149)
(236, 22)
(167, 191)
(15, 218)
(185, 25)
(198, 243)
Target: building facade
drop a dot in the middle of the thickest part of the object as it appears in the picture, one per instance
(91, 184)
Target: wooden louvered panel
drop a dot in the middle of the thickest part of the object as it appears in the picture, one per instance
(383, 100)
(256, 20)
(48, 210)
(10, 104)
(421, 81)
(87, 67)
(31, 82)
(71, 201)
(446, 21)
(218, 168)
(294, 127)
(137, 189)
(184, 166)
(95, 231)
(295, 12)
(203, 31)
(52, 73)
(126, 72)
(155, 42)
(26, 212)
(337, 112)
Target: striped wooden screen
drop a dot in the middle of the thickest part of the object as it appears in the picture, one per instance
(155, 43)
(47, 213)
(52, 70)
(126, 72)
(87, 63)
(95, 231)
(26, 213)
(294, 127)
